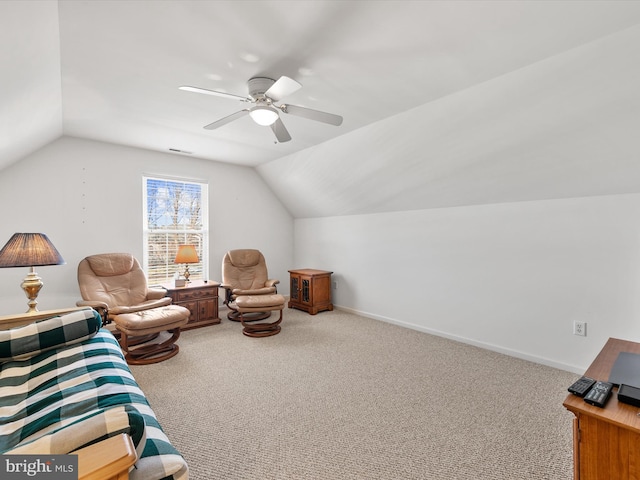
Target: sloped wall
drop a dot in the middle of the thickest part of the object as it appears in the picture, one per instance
(31, 94)
(561, 128)
(87, 197)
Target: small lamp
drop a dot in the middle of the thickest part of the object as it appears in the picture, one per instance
(30, 250)
(186, 254)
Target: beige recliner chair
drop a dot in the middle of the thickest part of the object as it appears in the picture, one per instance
(244, 272)
(115, 285)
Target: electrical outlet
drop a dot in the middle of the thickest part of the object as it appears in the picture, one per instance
(335, 285)
(580, 328)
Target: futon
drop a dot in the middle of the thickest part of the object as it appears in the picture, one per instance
(64, 384)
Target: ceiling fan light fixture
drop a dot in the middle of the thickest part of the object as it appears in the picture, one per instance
(263, 115)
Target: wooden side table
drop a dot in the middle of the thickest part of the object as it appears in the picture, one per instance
(605, 440)
(310, 290)
(200, 298)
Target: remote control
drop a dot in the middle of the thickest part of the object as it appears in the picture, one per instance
(582, 386)
(599, 394)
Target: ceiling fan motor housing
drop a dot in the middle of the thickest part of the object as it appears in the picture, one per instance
(259, 85)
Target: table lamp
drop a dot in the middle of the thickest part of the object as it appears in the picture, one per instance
(30, 250)
(186, 254)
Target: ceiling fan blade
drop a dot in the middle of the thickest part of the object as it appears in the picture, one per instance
(280, 131)
(311, 114)
(284, 86)
(227, 119)
(215, 93)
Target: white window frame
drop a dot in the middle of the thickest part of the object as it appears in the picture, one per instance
(167, 249)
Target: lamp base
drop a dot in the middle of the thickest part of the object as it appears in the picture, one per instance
(186, 273)
(31, 285)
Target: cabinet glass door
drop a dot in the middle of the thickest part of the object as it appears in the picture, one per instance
(294, 288)
(305, 291)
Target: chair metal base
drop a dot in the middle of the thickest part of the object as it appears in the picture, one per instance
(260, 329)
(137, 340)
(151, 352)
(234, 316)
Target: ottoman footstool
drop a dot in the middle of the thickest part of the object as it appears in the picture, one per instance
(260, 303)
(153, 321)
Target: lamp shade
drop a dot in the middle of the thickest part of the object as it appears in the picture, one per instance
(187, 254)
(29, 250)
(263, 115)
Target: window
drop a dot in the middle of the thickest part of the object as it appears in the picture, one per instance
(175, 213)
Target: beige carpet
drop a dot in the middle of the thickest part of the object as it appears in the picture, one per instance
(338, 396)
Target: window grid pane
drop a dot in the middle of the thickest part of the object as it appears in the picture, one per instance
(174, 214)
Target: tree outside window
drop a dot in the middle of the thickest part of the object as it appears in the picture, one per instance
(175, 213)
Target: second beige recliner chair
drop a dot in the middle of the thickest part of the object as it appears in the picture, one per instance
(244, 272)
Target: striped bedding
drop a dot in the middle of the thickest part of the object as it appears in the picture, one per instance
(62, 399)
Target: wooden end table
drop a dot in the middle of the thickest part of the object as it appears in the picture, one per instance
(310, 290)
(201, 298)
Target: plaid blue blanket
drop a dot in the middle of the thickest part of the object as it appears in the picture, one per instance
(62, 399)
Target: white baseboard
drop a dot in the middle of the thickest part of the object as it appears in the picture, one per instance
(469, 341)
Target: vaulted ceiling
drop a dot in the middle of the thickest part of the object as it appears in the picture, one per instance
(444, 102)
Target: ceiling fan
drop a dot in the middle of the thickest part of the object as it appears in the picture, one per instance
(263, 93)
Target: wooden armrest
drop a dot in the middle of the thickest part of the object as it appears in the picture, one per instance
(11, 321)
(109, 459)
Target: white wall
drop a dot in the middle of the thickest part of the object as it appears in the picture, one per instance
(510, 277)
(87, 197)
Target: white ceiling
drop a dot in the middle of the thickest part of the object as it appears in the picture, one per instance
(110, 70)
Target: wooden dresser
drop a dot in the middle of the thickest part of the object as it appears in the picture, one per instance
(606, 441)
(310, 290)
(200, 298)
